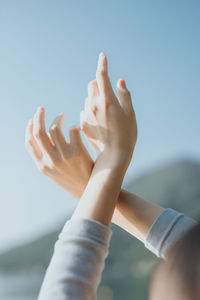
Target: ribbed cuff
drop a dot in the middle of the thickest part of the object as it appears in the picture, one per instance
(87, 228)
(160, 229)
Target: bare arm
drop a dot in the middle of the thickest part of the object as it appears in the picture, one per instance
(135, 215)
(100, 196)
(132, 213)
(69, 165)
(106, 119)
(76, 266)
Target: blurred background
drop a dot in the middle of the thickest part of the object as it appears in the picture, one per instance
(48, 54)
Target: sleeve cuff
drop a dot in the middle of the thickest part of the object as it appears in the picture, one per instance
(166, 230)
(87, 228)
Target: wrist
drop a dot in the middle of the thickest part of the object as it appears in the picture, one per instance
(116, 161)
(99, 198)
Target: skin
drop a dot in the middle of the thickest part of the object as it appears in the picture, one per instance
(110, 121)
(69, 164)
(104, 121)
(66, 163)
(166, 285)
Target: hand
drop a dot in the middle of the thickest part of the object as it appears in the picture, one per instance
(108, 124)
(67, 164)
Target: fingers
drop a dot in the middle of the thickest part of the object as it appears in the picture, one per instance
(93, 93)
(82, 119)
(90, 111)
(39, 132)
(124, 96)
(75, 136)
(52, 143)
(86, 131)
(103, 81)
(88, 103)
(58, 137)
(51, 139)
(56, 134)
(93, 90)
(31, 143)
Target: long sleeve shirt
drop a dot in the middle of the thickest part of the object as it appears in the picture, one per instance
(75, 269)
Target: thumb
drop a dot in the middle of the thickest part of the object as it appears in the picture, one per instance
(124, 96)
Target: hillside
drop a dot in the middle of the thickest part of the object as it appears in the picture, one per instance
(176, 185)
(129, 264)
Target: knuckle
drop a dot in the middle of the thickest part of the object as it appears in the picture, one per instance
(28, 142)
(127, 92)
(94, 109)
(85, 121)
(44, 169)
(103, 101)
(101, 72)
(84, 125)
(66, 155)
(72, 130)
(55, 161)
(106, 104)
(75, 152)
(90, 83)
(39, 134)
(54, 129)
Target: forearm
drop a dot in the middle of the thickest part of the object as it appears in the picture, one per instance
(134, 214)
(158, 228)
(99, 199)
(166, 230)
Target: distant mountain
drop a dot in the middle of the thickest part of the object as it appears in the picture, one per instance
(175, 185)
(129, 264)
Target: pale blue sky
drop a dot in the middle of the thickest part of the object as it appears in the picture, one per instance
(48, 54)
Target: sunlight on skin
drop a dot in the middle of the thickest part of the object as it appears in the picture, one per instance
(111, 120)
(66, 163)
(69, 164)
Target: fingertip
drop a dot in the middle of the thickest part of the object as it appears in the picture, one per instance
(121, 83)
(30, 123)
(62, 115)
(78, 128)
(102, 61)
(72, 132)
(40, 109)
(101, 54)
(75, 128)
(74, 135)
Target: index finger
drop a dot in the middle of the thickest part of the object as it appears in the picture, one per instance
(103, 80)
(39, 131)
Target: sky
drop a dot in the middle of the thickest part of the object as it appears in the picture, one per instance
(48, 54)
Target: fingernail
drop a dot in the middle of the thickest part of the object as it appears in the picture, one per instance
(123, 83)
